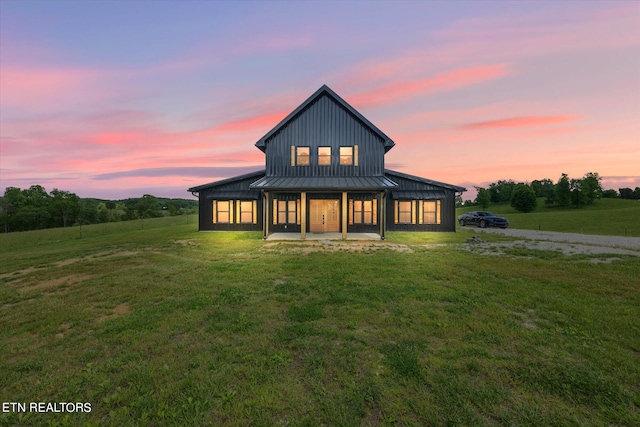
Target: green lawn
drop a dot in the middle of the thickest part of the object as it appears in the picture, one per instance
(613, 217)
(167, 326)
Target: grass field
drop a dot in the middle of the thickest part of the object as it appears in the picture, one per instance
(167, 326)
(612, 217)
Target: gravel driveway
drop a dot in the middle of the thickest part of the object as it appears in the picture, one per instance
(571, 243)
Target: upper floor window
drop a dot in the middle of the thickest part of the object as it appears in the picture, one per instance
(346, 156)
(299, 156)
(324, 156)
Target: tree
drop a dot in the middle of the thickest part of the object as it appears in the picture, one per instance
(625, 193)
(88, 213)
(500, 192)
(35, 214)
(12, 201)
(148, 206)
(563, 190)
(578, 196)
(537, 187)
(609, 194)
(591, 187)
(483, 198)
(523, 198)
(64, 207)
(494, 193)
(103, 213)
(550, 195)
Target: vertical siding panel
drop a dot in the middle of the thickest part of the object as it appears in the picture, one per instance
(325, 123)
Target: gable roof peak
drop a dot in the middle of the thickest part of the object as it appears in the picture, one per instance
(322, 91)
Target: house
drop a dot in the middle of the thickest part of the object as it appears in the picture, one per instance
(324, 172)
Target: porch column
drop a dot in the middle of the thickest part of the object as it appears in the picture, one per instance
(303, 215)
(265, 215)
(344, 215)
(383, 214)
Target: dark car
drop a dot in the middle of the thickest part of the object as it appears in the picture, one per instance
(483, 219)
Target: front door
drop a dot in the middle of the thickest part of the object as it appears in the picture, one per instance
(324, 216)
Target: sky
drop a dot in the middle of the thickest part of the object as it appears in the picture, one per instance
(115, 99)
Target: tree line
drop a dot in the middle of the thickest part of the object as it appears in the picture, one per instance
(566, 192)
(33, 209)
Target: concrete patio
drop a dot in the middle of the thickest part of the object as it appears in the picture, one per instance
(323, 236)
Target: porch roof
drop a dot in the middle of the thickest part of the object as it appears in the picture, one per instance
(246, 195)
(418, 194)
(303, 183)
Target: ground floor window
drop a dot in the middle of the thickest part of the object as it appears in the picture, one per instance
(222, 211)
(430, 212)
(363, 211)
(286, 211)
(416, 211)
(235, 212)
(247, 212)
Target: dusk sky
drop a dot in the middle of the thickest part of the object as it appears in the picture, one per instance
(116, 99)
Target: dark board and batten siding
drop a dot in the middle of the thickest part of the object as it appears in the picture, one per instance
(408, 184)
(230, 189)
(325, 123)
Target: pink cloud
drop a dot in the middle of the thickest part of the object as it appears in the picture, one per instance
(109, 142)
(29, 88)
(541, 33)
(515, 122)
(617, 182)
(395, 92)
(375, 70)
(262, 123)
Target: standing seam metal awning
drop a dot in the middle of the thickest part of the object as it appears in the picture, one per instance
(418, 194)
(229, 195)
(323, 183)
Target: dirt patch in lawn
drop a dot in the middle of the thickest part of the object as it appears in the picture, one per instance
(18, 277)
(117, 311)
(186, 242)
(64, 329)
(66, 280)
(19, 272)
(101, 255)
(334, 246)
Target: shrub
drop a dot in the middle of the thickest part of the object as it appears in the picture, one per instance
(523, 198)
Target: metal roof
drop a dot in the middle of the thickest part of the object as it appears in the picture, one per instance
(324, 90)
(418, 194)
(240, 195)
(323, 183)
(424, 180)
(226, 181)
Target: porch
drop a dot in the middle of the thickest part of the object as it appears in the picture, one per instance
(323, 236)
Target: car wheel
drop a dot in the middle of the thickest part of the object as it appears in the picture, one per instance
(462, 222)
(483, 223)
